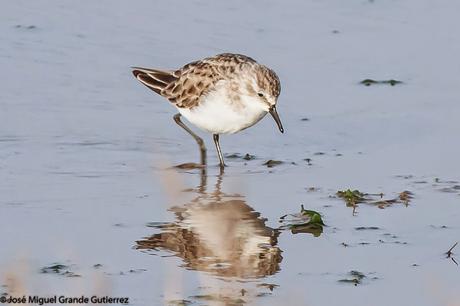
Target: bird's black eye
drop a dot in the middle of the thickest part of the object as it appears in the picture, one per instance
(260, 94)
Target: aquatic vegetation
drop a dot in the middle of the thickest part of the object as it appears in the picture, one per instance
(307, 221)
(403, 197)
(354, 197)
(351, 197)
(315, 217)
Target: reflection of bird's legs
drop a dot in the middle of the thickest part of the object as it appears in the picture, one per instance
(217, 190)
(198, 140)
(219, 152)
(217, 187)
(221, 171)
(203, 181)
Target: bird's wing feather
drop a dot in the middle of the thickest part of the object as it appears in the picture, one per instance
(185, 86)
(154, 79)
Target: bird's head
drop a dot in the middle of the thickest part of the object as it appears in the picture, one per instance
(266, 88)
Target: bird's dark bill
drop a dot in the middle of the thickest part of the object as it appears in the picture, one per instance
(275, 116)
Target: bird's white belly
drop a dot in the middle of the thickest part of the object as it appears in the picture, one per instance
(219, 116)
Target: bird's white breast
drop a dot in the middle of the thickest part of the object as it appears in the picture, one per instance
(218, 113)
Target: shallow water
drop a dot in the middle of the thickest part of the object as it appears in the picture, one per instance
(86, 155)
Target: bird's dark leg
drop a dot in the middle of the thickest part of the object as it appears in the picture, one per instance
(198, 140)
(219, 152)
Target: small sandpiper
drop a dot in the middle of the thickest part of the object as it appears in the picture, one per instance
(223, 94)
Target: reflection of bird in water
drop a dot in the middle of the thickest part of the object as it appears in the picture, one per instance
(221, 234)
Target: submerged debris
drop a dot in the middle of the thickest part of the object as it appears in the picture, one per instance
(354, 277)
(55, 268)
(232, 155)
(364, 228)
(59, 269)
(369, 82)
(387, 238)
(262, 294)
(271, 163)
(307, 221)
(268, 286)
(247, 156)
(134, 271)
(27, 27)
(226, 300)
(438, 180)
(450, 253)
(179, 303)
(190, 166)
(451, 189)
(448, 186)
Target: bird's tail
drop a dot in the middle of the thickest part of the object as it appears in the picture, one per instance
(154, 79)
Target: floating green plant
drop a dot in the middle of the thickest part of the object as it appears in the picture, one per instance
(351, 197)
(307, 221)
